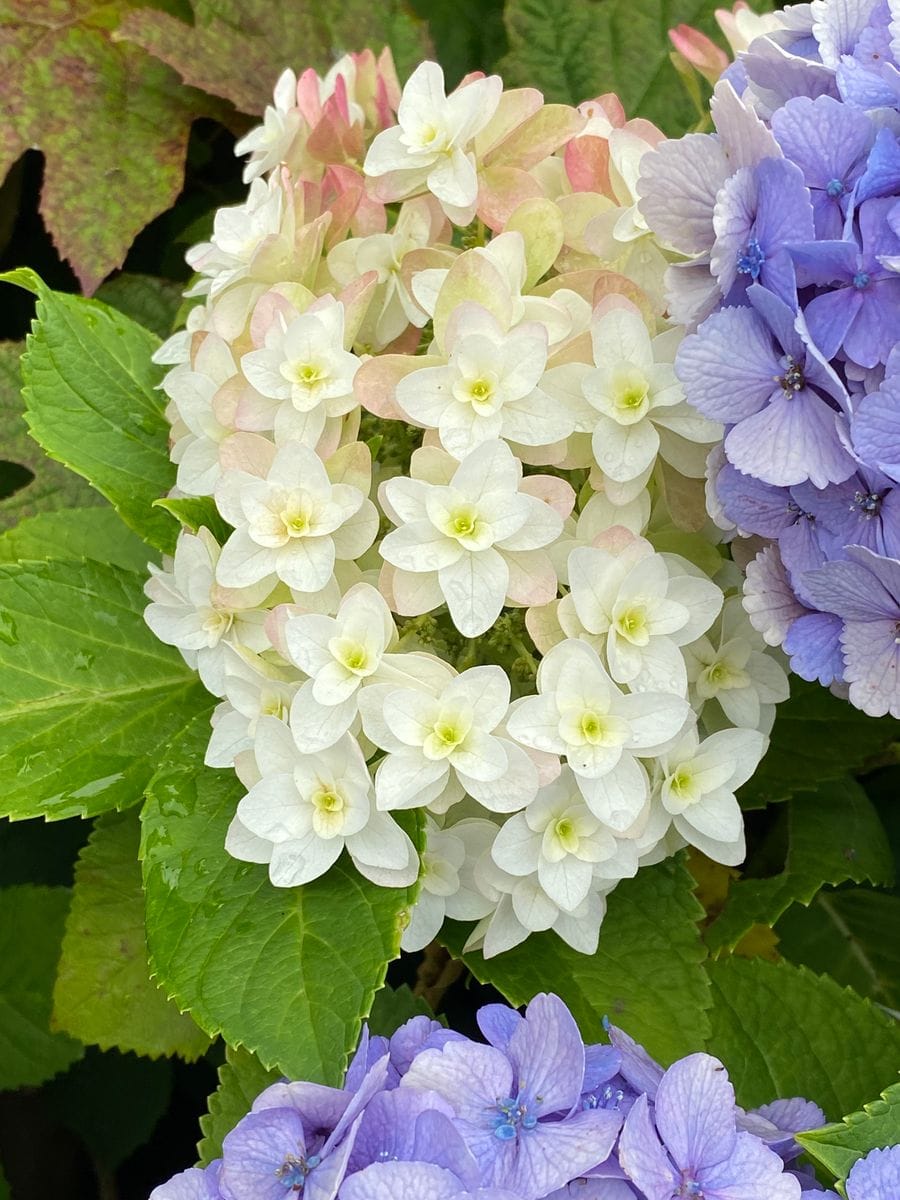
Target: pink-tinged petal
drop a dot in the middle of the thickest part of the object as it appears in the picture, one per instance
(552, 490)
(502, 188)
(532, 577)
(587, 164)
(247, 452)
(539, 136)
(375, 383)
(642, 1156)
(472, 276)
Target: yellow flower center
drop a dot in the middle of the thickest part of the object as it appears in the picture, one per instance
(566, 834)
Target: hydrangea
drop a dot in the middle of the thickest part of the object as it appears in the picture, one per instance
(533, 1114)
(786, 221)
(428, 400)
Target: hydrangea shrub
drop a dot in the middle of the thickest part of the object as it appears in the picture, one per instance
(517, 495)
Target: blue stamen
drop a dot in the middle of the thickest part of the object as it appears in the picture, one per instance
(861, 280)
(835, 188)
(293, 1171)
(512, 1116)
(750, 260)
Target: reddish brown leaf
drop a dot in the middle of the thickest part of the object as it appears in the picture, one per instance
(112, 122)
(236, 50)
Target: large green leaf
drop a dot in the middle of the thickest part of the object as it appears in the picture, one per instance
(236, 48)
(31, 927)
(113, 124)
(69, 533)
(838, 1146)
(646, 976)
(833, 835)
(241, 1078)
(288, 972)
(576, 49)
(783, 1031)
(104, 995)
(816, 737)
(87, 693)
(393, 1007)
(30, 482)
(854, 935)
(91, 402)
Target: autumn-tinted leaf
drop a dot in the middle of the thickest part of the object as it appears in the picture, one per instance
(237, 48)
(112, 122)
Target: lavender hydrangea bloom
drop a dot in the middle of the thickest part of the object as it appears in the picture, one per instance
(876, 1177)
(756, 370)
(830, 143)
(303, 1145)
(864, 591)
(690, 1146)
(860, 311)
(759, 212)
(518, 1108)
(776, 1123)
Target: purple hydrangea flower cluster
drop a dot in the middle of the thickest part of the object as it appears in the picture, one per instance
(788, 221)
(533, 1114)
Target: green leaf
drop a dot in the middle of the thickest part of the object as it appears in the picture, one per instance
(150, 301)
(87, 693)
(112, 1101)
(854, 935)
(468, 35)
(74, 533)
(832, 835)
(241, 1079)
(783, 1031)
(393, 1007)
(236, 48)
(195, 512)
(816, 737)
(576, 49)
(31, 927)
(51, 485)
(112, 122)
(288, 972)
(104, 995)
(838, 1146)
(91, 402)
(646, 976)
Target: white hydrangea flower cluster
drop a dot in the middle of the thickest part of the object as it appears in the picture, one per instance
(427, 390)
